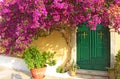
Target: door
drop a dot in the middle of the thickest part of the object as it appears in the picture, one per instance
(93, 48)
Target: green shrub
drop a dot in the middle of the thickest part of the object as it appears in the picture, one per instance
(117, 62)
(35, 59)
(60, 69)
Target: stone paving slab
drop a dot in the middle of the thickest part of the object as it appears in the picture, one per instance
(77, 77)
(53, 77)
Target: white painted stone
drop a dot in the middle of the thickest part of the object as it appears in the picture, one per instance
(12, 62)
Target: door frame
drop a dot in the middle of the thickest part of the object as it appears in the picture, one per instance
(112, 46)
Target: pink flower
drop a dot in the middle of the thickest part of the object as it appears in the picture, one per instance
(56, 17)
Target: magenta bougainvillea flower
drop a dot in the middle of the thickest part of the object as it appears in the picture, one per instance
(21, 19)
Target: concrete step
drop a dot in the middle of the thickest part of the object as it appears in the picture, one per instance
(93, 72)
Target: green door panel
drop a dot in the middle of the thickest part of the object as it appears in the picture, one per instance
(93, 48)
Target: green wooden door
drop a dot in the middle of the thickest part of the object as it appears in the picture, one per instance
(93, 48)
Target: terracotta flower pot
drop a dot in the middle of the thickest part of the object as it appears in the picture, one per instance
(72, 73)
(111, 75)
(38, 73)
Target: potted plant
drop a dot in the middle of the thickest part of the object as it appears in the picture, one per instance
(73, 68)
(117, 65)
(36, 61)
(111, 72)
(61, 69)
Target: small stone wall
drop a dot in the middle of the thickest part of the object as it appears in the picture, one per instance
(14, 63)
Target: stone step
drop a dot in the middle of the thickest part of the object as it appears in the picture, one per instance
(93, 72)
(85, 76)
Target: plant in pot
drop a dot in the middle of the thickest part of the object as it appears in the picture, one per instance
(117, 65)
(61, 69)
(37, 61)
(73, 68)
(111, 72)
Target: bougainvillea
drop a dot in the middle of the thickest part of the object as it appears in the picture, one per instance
(114, 16)
(21, 19)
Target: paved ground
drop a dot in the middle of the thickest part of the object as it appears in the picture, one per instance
(80, 76)
(7, 73)
(6, 63)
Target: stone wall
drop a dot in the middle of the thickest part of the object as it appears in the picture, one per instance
(13, 62)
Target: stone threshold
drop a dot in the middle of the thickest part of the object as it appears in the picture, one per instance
(93, 72)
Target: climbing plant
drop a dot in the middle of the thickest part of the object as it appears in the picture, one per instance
(21, 19)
